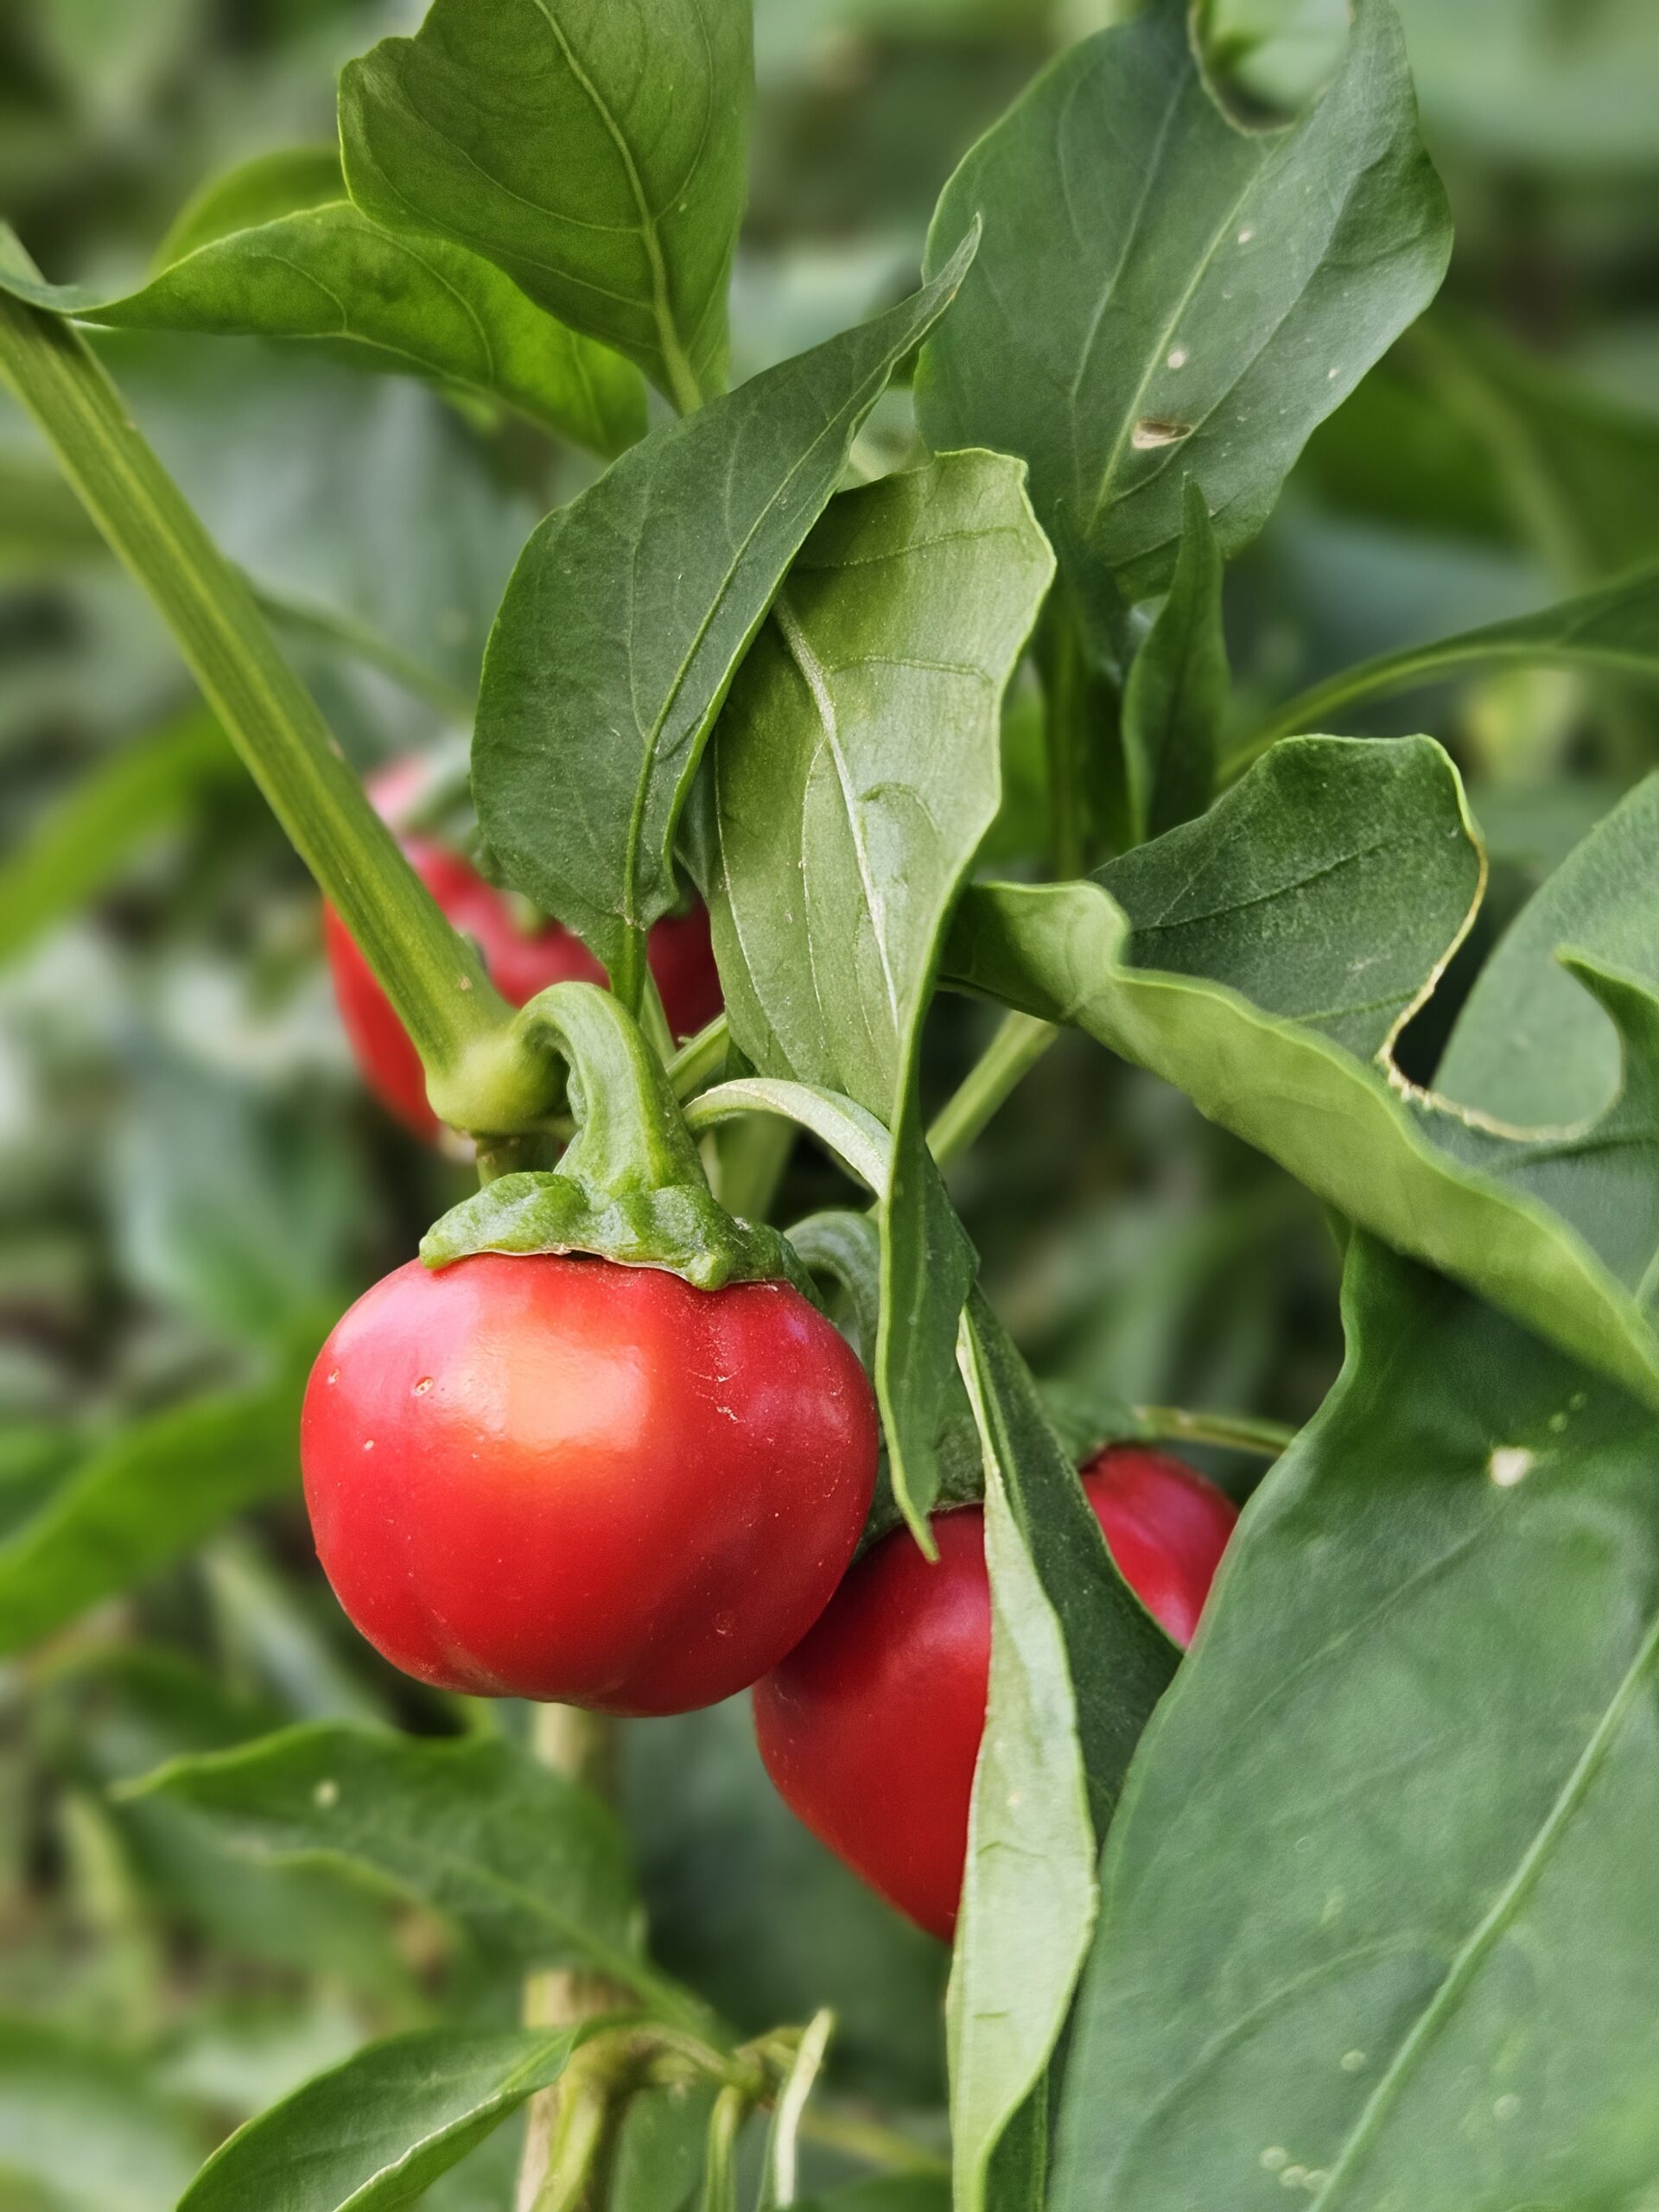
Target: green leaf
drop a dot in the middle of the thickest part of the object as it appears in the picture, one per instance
(1163, 293)
(85, 2126)
(529, 1862)
(111, 1713)
(76, 849)
(1178, 968)
(1446, 1593)
(1328, 888)
(1531, 1045)
(628, 611)
(370, 2135)
(1176, 698)
(408, 304)
(1615, 627)
(846, 1248)
(596, 154)
(278, 183)
(656, 2153)
(1119, 1661)
(1028, 1887)
(145, 1497)
(1078, 1665)
(839, 843)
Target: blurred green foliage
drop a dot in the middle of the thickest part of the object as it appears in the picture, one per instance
(190, 1179)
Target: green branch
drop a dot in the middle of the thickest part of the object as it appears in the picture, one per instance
(433, 977)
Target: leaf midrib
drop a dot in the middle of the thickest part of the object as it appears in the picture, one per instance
(500, 2101)
(687, 393)
(845, 418)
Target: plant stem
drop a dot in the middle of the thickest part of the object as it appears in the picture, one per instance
(1017, 1046)
(434, 978)
(1235, 1432)
(581, 1745)
(698, 1058)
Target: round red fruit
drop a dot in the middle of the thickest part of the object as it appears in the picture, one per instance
(559, 1478)
(870, 1729)
(521, 960)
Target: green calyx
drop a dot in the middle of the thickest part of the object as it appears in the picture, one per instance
(631, 1186)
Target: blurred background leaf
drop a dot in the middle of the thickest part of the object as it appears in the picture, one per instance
(187, 1166)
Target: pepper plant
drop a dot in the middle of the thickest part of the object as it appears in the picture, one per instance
(902, 660)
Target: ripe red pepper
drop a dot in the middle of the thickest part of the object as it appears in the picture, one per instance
(520, 961)
(871, 1728)
(559, 1478)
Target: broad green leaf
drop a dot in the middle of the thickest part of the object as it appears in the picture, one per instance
(85, 2126)
(1531, 1045)
(1029, 1886)
(1328, 888)
(628, 611)
(595, 152)
(1238, 1027)
(75, 849)
(1176, 697)
(1163, 293)
(370, 2135)
(142, 1499)
(857, 759)
(412, 304)
(1614, 627)
(856, 768)
(529, 1863)
(1445, 1595)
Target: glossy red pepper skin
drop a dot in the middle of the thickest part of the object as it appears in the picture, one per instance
(871, 1728)
(520, 961)
(559, 1478)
